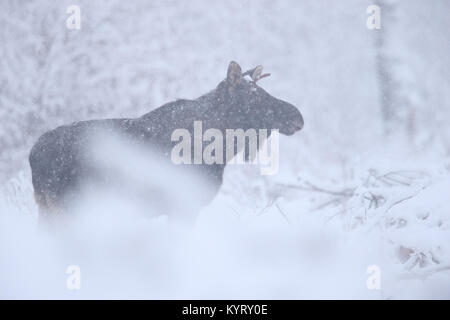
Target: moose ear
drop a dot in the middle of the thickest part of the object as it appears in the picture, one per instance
(234, 74)
(256, 74)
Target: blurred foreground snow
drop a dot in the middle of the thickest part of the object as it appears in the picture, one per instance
(277, 237)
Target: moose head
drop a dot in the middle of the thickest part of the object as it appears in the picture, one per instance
(250, 106)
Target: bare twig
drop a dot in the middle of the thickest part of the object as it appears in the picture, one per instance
(282, 213)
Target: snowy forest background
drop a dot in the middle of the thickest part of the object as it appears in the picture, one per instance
(365, 183)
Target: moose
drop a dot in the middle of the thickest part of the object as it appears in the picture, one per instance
(58, 158)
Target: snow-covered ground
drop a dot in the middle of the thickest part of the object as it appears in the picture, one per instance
(352, 201)
(278, 237)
